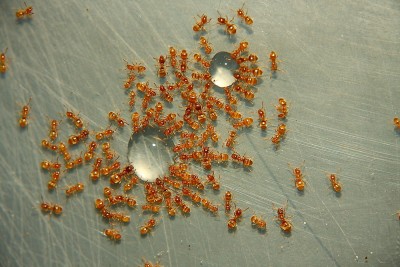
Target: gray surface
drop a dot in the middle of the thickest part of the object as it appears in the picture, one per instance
(342, 65)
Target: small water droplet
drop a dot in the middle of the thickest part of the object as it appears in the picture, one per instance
(149, 154)
(222, 68)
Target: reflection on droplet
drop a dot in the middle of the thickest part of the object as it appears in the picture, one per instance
(222, 68)
(149, 154)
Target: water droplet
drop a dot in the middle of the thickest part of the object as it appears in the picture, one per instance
(222, 69)
(149, 154)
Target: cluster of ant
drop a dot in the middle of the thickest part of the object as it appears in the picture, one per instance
(201, 110)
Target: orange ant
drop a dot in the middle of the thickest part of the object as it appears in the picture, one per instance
(165, 95)
(179, 202)
(112, 116)
(107, 133)
(209, 206)
(112, 234)
(74, 189)
(90, 152)
(77, 121)
(162, 72)
(243, 15)
(258, 222)
(47, 165)
(152, 208)
(280, 133)
(298, 180)
(75, 139)
(261, 117)
(49, 208)
(3, 61)
(199, 25)
(242, 47)
(230, 28)
(95, 173)
(285, 224)
(23, 121)
(282, 108)
(172, 57)
(145, 229)
(396, 122)
(46, 144)
(135, 67)
(128, 82)
(336, 186)
(206, 45)
(230, 141)
(274, 65)
(53, 129)
(237, 215)
(21, 13)
(246, 122)
(228, 199)
(206, 64)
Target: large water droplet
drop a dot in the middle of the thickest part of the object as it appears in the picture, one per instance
(149, 154)
(222, 68)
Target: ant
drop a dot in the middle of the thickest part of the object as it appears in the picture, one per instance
(145, 229)
(107, 133)
(285, 224)
(74, 189)
(47, 165)
(49, 208)
(206, 45)
(162, 72)
(3, 61)
(75, 139)
(206, 64)
(246, 122)
(280, 133)
(230, 28)
(53, 129)
(90, 152)
(165, 95)
(237, 215)
(258, 222)
(76, 120)
(228, 199)
(336, 186)
(135, 67)
(242, 47)
(172, 57)
(274, 65)
(396, 122)
(128, 82)
(282, 108)
(112, 234)
(23, 121)
(199, 25)
(21, 13)
(112, 116)
(152, 208)
(261, 117)
(243, 15)
(298, 180)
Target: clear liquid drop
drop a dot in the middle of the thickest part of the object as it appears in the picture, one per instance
(222, 68)
(149, 154)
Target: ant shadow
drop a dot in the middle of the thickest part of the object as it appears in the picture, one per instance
(249, 30)
(27, 20)
(232, 38)
(286, 234)
(338, 194)
(300, 193)
(397, 131)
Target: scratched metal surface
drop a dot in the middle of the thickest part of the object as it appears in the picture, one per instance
(341, 64)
